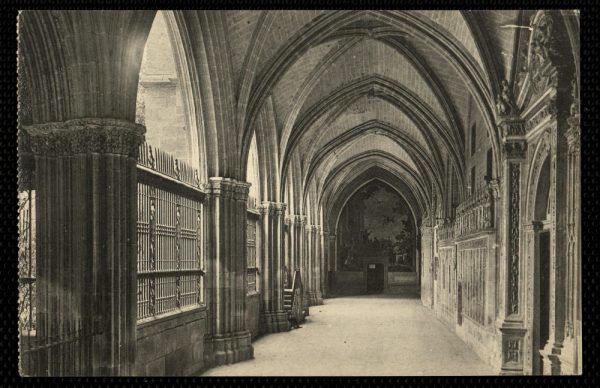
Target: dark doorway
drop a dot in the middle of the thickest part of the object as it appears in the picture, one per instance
(375, 278)
(544, 288)
(544, 299)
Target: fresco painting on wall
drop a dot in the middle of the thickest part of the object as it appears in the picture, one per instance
(376, 223)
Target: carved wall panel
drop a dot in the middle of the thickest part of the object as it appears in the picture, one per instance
(472, 257)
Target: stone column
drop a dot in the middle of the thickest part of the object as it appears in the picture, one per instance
(315, 295)
(85, 179)
(298, 230)
(228, 340)
(309, 266)
(288, 251)
(427, 270)
(273, 317)
(324, 246)
(331, 262)
(513, 326)
(571, 358)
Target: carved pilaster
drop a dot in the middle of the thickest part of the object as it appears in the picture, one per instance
(514, 155)
(571, 362)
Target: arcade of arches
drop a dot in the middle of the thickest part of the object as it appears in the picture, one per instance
(190, 180)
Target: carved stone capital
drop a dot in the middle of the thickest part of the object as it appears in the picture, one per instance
(299, 219)
(241, 191)
(279, 207)
(511, 126)
(83, 136)
(515, 149)
(264, 208)
(218, 186)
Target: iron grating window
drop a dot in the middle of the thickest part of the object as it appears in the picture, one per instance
(170, 235)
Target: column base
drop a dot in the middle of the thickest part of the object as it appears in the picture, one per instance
(570, 361)
(552, 359)
(315, 298)
(229, 348)
(274, 322)
(513, 334)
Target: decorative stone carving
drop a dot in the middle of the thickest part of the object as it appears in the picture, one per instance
(515, 149)
(547, 111)
(513, 350)
(573, 134)
(505, 102)
(81, 136)
(542, 52)
(513, 236)
(512, 128)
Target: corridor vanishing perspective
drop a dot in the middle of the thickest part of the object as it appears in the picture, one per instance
(402, 185)
(391, 336)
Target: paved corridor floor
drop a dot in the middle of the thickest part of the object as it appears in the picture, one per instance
(364, 335)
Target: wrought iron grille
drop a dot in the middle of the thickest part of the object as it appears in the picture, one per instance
(252, 271)
(170, 230)
(27, 263)
(65, 352)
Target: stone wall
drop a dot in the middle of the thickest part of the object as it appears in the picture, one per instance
(349, 282)
(401, 282)
(172, 345)
(484, 340)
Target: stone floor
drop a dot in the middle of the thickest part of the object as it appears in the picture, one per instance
(365, 335)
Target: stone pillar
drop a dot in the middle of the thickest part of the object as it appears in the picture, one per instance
(513, 327)
(291, 258)
(85, 179)
(273, 317)
(288, 252)
(315, 295)
(228, 340)
(427, 270)
(298, 223)
(324, 240)
(571, 358)
(332, 262)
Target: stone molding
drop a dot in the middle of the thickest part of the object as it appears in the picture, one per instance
(272, 208)
(511, 126)
(297, 219)
(83, 136)
(228, 188)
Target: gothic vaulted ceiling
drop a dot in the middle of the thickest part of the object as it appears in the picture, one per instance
(350, 92)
